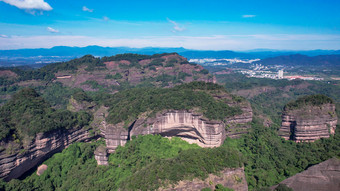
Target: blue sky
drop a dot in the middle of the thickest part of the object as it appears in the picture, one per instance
(207, 25)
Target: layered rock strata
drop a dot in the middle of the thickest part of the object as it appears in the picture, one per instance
(191, 127)
(115, 135)
(188, 125)
(308, 123)
(43, 146)
(323, 176)
(230, 178)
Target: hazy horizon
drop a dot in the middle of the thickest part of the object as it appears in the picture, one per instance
(200, 25)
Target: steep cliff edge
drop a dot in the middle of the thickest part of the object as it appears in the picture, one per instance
(308, 120)
(209, 116)
(43, 146)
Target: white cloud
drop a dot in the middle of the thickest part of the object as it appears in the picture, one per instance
(248, 16)
(105, 18)
(87, 9)
(3, 36)
(30, 5)
(176, 28)
(52, 30)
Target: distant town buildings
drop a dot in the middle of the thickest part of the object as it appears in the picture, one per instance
(251, 68)
(221, 62)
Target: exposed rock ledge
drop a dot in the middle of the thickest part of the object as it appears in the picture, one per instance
(231, 178)
(323, 176)
(190, 126)
(308, 123)
(42, 147)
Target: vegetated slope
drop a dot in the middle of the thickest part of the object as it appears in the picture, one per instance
(210, 99)
(107, 74)
(101, 75)
(27, 114)
(76, 169)
(268, 97)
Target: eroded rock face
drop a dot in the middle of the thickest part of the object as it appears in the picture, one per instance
(193, 128)
(231, 178)
(308, 123)
(323, 176)
(42, 147)
(188, 125)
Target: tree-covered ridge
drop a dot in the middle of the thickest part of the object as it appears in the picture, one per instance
(126, 106)
(194, 163)
(133, 57)
(27, 114)
(309, 100)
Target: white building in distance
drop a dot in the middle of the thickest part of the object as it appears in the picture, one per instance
(280, 74)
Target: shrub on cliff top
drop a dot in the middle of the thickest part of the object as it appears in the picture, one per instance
(314, 100)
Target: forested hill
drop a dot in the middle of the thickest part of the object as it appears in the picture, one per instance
(303, 60)
(92, 73)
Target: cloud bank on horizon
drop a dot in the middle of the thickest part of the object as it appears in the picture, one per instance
(217, 25)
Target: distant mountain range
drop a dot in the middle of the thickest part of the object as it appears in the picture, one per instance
(43, 56)
(65, 51)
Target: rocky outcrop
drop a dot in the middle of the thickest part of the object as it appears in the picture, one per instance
(41, 169)
(231, 178)
(308, 123)
(100, 154)
(43, 146)
(324, 176)
(115, 135)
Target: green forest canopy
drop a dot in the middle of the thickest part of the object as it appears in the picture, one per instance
(76, 169)
(27, 114)
(127, 105)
